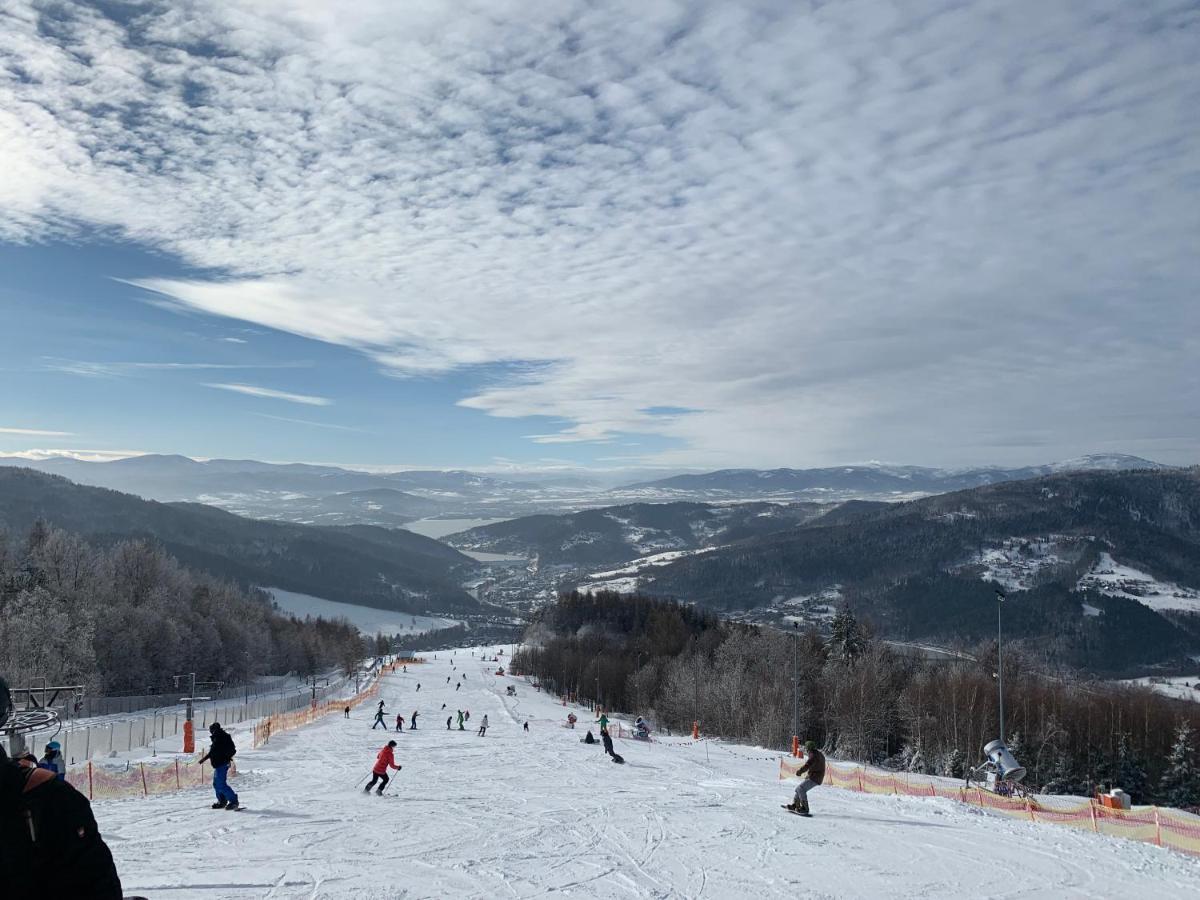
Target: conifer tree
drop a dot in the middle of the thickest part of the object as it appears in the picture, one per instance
(1180, 783)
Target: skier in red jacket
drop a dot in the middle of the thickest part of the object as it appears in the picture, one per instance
(379, 773)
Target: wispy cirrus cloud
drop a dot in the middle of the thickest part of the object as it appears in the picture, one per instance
(35, 432)
(253, 390)
(330, 425)
(92, 369)
(836, 231)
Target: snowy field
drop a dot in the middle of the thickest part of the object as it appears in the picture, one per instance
(1110, 577)
(535, 814)
(368, 619)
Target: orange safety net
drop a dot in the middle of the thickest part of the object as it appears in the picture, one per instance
(295, 719)
(139, 779)
(1171, 828)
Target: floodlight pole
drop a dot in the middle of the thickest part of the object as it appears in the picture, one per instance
(1000, 659)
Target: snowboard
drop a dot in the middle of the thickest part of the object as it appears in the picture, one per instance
(796, 812)
(618, 758)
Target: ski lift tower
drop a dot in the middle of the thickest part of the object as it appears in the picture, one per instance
(189, 702)
(27, 710)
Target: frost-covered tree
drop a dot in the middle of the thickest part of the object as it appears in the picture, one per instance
(846, 639)
(1180, 783)
(1129, 769)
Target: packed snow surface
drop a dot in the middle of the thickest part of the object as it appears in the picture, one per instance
(537, 813)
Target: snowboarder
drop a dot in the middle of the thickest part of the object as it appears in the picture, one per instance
(412, 726)
(379, 772)
(347, 712)
(399, 722)
(221, 751)
(379, 720)
(447, 679)
(448, 720)
(814, 768)
(603, 720)
(458, 687)
(526, 726)
(49, 843)
(460, 721)
(53, 761)
(607, 740)
(467, 714)
(406, 670)
(483, 727)
(588, 739)
(443, 706)
(418, 687)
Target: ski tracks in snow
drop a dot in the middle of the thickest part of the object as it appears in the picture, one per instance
(533, 814)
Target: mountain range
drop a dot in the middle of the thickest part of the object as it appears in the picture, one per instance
(329, 495)
(368, 565)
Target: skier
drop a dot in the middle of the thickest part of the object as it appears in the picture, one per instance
(460, 721)
(443, 706)
(220, 754)
(347, 712)
(49, 843)
(526, 726)
(412, 725)
(458, 687)
(467, 714)
(386, 758)
(399, 722)
(448, 720)
(53, 761)
(405, 669)
(379, 719)
(603, 720)
(483, 727)
(447, 679)
(814, 768)
(418, 687)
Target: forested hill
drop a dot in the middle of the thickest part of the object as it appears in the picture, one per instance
(615, 534)
(916, 568)
(387, 569)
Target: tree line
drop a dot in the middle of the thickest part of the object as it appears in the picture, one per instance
(126, 617)
(860, 699)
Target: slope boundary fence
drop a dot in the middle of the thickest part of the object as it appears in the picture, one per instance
(1157, 825)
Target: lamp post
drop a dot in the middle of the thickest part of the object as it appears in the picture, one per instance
(795, 686)
(1000, 659)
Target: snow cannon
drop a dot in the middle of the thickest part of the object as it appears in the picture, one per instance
(1006, 764)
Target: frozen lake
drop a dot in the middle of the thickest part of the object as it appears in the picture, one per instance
(368, 619)
(439, 528)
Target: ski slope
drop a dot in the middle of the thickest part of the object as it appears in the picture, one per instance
(518, 814)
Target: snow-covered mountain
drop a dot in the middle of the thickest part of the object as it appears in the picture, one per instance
(874, 480)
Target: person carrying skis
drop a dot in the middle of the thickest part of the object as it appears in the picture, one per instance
(53, 761)
(379, 719)
(399, 722)
(379, 772)
(460, 721)
(483, 727)
(50, 845)
(220, 754)
(814, 769)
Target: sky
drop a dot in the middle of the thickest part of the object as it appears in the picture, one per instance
(601, 234)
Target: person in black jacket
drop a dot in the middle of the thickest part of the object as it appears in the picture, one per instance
(220, 754)
(49, 843)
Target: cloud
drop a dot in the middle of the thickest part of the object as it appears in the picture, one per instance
(833, 230)
(308, 422)
(90, 369)
(272, 394)
(233, 340)
(35, 432)
(84, 455)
